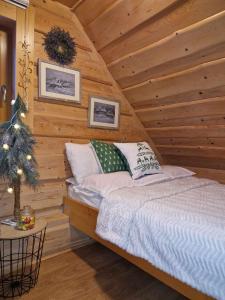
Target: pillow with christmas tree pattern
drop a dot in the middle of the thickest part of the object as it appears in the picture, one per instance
(140, 157)
(108, 157)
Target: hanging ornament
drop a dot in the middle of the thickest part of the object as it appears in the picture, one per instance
(5, 146)
(60, 46)
(29, 157)
(10, 190)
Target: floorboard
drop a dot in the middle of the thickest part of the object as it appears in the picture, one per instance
(94, 272)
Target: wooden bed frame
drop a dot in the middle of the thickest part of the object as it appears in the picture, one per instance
(84, 218)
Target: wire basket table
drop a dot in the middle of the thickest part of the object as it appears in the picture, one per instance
(20, 258)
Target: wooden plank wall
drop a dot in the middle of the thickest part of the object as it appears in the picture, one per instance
(168, 57)
(55, 124)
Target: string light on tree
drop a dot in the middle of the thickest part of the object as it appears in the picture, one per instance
(19, 171)
(17, 135)
(16, 126)
(10, 190)
(16, 149)
(5, 146)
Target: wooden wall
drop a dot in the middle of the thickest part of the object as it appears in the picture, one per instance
(168, 57)
(55, 124)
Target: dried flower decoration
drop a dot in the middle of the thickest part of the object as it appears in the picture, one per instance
(60, 46)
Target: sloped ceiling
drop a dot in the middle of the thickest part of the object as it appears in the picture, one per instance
(168, 57)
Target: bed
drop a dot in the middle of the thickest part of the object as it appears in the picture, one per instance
(84, 216)
(162, 218)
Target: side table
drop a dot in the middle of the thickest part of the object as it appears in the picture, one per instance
(20, 258)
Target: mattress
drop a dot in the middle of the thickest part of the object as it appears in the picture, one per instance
(90, 198)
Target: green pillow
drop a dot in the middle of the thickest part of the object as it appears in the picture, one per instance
(109, 157)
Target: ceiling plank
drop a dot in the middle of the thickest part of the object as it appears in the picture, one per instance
(89, 10)
(204, 81)
(188, 131)
(69, 3)
(122, 17)
(176, 18)
(203, 151)
(196, 44)
(77, 4)
(200, 108)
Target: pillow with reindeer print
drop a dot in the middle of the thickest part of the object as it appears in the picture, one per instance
(140, 157)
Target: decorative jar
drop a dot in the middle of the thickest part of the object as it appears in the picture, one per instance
(27, 218)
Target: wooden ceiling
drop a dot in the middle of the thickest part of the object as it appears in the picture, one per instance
(168, 57)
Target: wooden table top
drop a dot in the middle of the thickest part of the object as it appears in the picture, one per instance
(10, 232)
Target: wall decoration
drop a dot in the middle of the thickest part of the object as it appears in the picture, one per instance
(26, 65)
(60, 46)
(59, 83)
(103, 113)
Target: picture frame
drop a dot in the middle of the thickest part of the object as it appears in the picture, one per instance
(57, 83)
(103, 113)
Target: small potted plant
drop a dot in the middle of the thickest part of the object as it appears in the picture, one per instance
(17, 162)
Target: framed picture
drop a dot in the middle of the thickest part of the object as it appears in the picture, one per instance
(103, 113)
(59, 83)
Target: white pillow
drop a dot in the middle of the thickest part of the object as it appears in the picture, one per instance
(109, 182)
(82, 160)
(176, 172)
(150, 179)
(140, 157)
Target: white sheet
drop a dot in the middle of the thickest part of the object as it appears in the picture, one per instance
(178, 226)
(84, 196)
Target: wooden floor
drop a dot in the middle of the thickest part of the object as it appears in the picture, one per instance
(94, 272)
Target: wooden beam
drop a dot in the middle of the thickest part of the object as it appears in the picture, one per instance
(191, 109)
(68, 3)
(187, 141)
(184, 14)
(204, 81)
(77, 4)
(191, 46)
(89, 10)
(188, 121)
(209, 173)
(122, 17)
(195, 161)
(216, 131)
(202, 151)
(63, 127)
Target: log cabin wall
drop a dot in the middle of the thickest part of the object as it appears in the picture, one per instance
(168, 57)
(55, 124)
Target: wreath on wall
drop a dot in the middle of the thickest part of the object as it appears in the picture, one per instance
(60, 46)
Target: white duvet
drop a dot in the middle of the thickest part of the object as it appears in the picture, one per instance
(178, 226)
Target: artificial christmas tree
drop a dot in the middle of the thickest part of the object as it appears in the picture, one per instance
(16, 153)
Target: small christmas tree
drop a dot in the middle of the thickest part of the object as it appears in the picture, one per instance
(16, 153)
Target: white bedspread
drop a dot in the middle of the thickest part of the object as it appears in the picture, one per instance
(177, 226)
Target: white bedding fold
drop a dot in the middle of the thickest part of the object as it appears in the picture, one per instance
(178, 226)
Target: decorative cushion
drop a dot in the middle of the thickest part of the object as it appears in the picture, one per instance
(82, 160)
(140, 157)
(109, 157)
